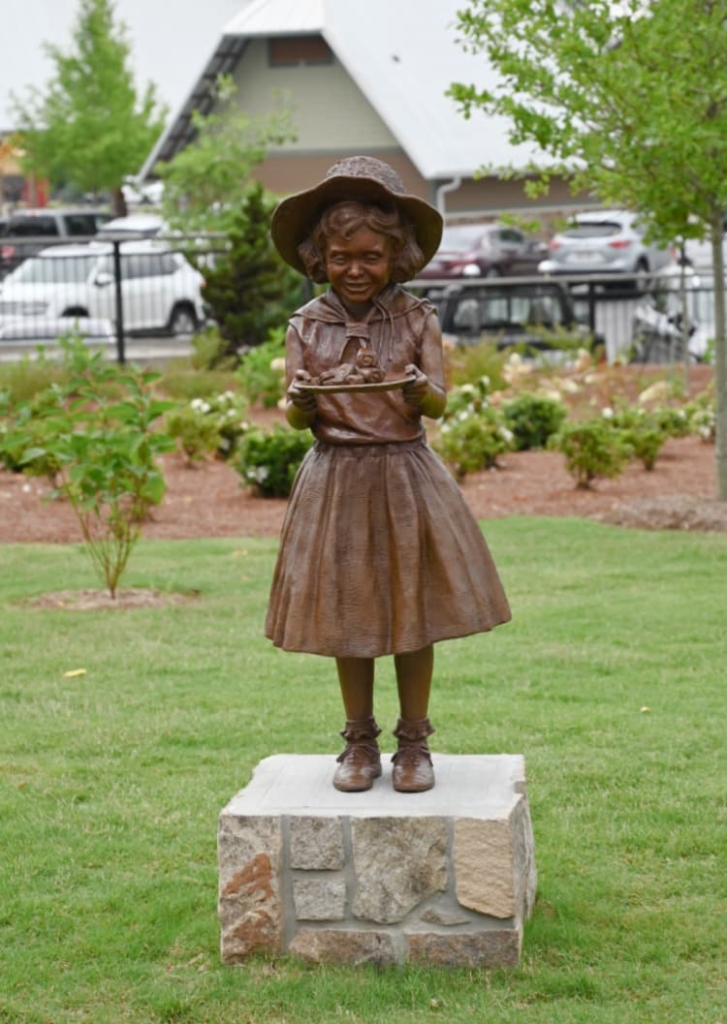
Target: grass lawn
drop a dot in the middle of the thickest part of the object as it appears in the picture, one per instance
(610, 680)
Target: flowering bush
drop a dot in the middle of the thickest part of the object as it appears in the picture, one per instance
(472, 434)
(194, 431)
(674, 422)
(209, 426)
(269, 460)
(262, 371)
(702, 413)
(471, 397)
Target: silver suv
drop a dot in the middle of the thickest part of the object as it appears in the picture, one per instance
(605, 242)
(27, 231)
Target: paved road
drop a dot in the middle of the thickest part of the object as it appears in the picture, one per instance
(137, 350)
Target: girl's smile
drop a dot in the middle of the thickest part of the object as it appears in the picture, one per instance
(358, 267)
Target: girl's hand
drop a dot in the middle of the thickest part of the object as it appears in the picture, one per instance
(299, 397)
(416, 391)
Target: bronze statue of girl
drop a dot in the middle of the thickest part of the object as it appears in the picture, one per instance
(379, 553)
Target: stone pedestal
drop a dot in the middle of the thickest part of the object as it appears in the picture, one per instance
(445, 877)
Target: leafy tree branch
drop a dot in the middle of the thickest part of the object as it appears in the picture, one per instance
(628, 101)
(89, 126)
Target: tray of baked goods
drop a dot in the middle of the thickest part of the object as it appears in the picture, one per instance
(313, 387)
(365, 374)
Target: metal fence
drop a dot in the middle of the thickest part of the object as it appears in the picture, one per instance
(665, 319)
(107, 290)
(113, 290)
(669, 319)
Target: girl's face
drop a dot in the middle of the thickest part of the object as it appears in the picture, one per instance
(358, 267)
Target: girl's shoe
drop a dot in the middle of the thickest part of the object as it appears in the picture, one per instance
(360, 762)
(413, 771)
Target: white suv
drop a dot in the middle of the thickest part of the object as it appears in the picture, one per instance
(160, 290)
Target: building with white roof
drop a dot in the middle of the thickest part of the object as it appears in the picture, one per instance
(364, 78)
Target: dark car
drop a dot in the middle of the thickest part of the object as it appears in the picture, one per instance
(485, 250)
(28, 231)
(528, 317)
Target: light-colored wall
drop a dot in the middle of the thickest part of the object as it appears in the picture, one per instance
(334, 120)
(329, 110)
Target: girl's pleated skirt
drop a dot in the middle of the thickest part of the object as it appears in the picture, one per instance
(379, 554)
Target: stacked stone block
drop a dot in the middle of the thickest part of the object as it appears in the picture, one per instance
(446, 877)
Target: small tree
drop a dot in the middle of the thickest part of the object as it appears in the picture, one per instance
(628, 100)
(89, 127)
(102, 439)
(250, 290)
(205, 183)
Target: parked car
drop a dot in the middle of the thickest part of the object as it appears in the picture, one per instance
(137, 224)
(26, 231)
(484, 250)
(160, 291)
(532, 317)
(605, 242)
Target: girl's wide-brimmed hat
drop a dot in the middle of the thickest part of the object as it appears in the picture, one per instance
(361, 178)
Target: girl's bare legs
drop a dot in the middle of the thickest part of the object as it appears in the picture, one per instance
(414, 682)
(413, 770)
(356, 677)
(360, 763)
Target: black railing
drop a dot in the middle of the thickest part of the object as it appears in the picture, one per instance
(660, 319)
(111, 290)
(107, 290)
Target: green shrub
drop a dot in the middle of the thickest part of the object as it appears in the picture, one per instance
(469, 397)
(99, 434)
(472, 444)
(592, 449)
(269, 460)
(472, 434)
(262, 371)
(641, 432)
(645, 443)
(533, 420)
(229, 411)
(211, 351)
(206, 426)
(195, 432)
(674, 422)
(702, 413)
(27, 431)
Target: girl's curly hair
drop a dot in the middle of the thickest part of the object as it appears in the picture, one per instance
(346, 218)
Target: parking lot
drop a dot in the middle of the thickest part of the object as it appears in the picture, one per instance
(142, 300)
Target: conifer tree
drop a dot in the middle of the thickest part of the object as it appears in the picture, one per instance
(250, 289)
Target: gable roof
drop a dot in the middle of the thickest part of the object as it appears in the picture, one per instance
(402, 54)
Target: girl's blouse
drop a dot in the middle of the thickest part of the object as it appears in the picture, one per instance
(400, 328)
